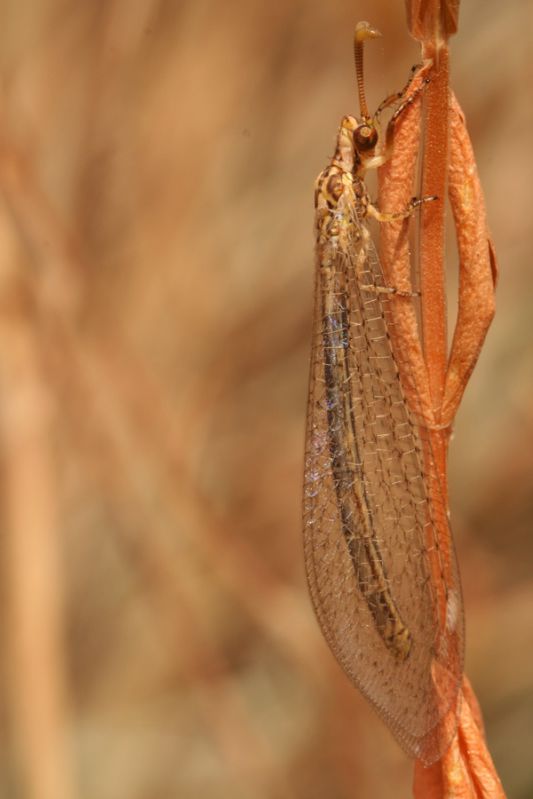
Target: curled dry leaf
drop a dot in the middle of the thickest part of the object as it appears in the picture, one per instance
(396, 180)
(478, 269)
(433, 383)
(466, 771)
(432, 20)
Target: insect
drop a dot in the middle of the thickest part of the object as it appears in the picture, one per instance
(385, 589)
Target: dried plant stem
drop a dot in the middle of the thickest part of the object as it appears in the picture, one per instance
(33, 571)
(233, 561)
(431, 267)
(119, 459)
(102, 375)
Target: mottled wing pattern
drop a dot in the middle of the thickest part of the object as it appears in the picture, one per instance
(388, 461)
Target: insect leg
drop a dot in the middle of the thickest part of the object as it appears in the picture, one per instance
(396, 97)
(394, 216)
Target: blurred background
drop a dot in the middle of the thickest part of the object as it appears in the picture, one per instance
(157, 161)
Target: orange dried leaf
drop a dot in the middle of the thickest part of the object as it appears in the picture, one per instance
(432, 20)
(434, 387)
(478, 271)
(466, 771)
(396, 181)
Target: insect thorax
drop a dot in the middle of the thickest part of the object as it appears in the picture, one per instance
(338, 194)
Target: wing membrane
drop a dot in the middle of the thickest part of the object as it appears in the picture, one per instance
(388, 605)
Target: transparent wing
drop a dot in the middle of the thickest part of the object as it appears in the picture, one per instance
(378, 547)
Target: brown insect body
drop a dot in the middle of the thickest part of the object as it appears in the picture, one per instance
(371, 523)
(340, 191)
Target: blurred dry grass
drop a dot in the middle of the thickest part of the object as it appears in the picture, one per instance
(156, 165)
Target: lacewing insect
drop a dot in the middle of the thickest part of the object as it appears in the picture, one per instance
(379, 558)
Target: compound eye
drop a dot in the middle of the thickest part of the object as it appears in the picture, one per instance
(365, 137)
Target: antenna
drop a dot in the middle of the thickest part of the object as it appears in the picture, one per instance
(362, 31)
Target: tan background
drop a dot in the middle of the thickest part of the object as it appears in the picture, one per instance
(157, 164)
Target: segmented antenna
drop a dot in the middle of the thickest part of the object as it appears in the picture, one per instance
(362, 31)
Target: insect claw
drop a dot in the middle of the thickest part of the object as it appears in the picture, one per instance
(416, 201)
